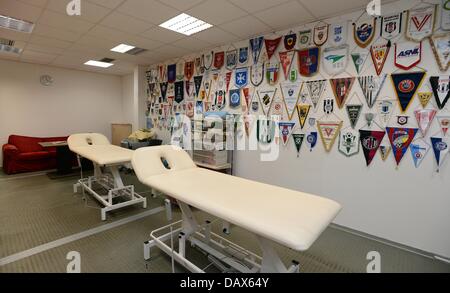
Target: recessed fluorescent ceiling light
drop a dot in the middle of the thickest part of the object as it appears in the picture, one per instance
(16, 24)
(122, 48)
(185, 24)
(98, 64)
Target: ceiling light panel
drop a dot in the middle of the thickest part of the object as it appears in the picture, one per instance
(16, 24)
(122, 48)
(185, 24)
(98, 64)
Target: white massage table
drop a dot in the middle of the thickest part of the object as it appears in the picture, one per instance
(273, 214)
(97, 148)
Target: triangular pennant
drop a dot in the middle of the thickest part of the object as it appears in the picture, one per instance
(286, 62)
(406, 86)
(419, 150)
(256, 46)
(371, 87)
(424, 98)
(441, 89)
(349, 142)
(316, 89)
(266, 98)
(298, 141)
(255, 104)
(379, 53)
(272, 46)
(440, 44)
(370, 143)
(303, 112)
(385, 149)
(311, 139)
(321, 34)
(440, 148)
(424, 119)
(285, 131)
(328, 132)
(385, 109)
(354, 112)
(291, 93)
(444, 123)
(400, 139)
(277, 108)
(341, 89)
(359, 59)
(228, 80)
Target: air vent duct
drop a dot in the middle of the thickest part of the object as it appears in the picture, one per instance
(136, 51)
(107, 60)
(7, 46)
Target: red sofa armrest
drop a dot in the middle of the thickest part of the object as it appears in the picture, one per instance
(10, 150)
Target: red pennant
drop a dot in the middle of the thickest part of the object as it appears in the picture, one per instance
(272, 46)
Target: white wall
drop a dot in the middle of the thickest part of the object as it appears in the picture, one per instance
(77, 101)
(405, 205)
(128, 98)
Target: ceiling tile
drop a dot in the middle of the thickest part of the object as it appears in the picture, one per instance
(169, 51)
(181, 5)
(65, 22)
(192, 44)
(38, 3)
(47, 31)
(107, 3)
(126, 23)
(216, 36)
(89, 12)
(216, 11)
(40, 40)
(104, 32)
(253, 6)
(45, 49)
(9, 56)
(96, 42)
(326, 8)
(285, 15)
(37, 57)
(13, 35)
(142, 42)
(162, 35)
(246, 27)
(148, 10)
(20, 10)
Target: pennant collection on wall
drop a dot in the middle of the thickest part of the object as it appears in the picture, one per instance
(283, 76)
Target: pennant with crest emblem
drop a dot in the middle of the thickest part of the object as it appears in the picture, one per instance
(335, 59)
(441, 146)
(385, 109)
(277, 108)
(305, 39)
(349, 142)
(231, 59)
(339, 34)
(241, 77)
(424, 119)
(298, 141)
(290, 93)
(243, 55)
(420, 23)
(359, 59)
(257, 74)
(272, 73)
(406, 86)
(286, 129)
(321, 34)
(370, 143)
(424, 98)
(444, 123)
(364, 32)
(235, 98)
(408, 55)
(290, 41)
(207, 60)
(171, 73)
(419, 149)
(354, 112)
(198, 84)
(256, 47)
(391, 26)
(303, 112)
(379, 53)
(311, 139)
(308, 60)
(266, 98)
(341, 89)
(441, 89)
(385, 149)
(440, 44)
(219, 60)
(272, 46)
(328, 132)
(189, 69)
(400, 139)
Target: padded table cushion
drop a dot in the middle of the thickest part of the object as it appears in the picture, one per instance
(288, 217)
(97, 148)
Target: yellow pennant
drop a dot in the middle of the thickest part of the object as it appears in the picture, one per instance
(425, 98)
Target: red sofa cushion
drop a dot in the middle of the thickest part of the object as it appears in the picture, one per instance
(31, 144)
(34, 156)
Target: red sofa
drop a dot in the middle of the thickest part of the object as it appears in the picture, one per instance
(24, 154)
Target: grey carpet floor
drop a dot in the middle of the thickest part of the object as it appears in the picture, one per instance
(37, 210)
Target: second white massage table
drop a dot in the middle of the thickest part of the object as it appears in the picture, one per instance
(273, 214)
(97, 148)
